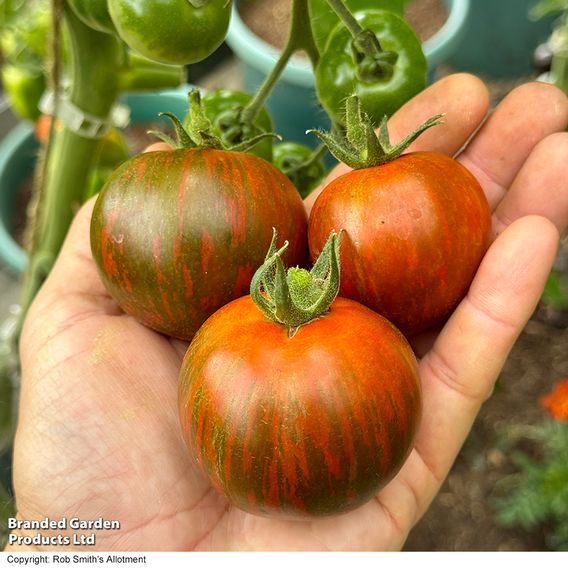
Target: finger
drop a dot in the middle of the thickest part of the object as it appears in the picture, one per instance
(462, 98)
(458, 374)
(527, 115)
(541, 186)
(158, 147)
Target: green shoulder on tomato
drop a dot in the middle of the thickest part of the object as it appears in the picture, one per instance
(93, 13)
(324, 18)
(171, 31)
(337, 72)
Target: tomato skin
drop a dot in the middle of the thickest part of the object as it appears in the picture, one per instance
(310, 425)
(416, 230)
(178, 234)
(171, 31)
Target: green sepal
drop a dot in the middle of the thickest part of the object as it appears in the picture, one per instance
(360, 145)
(197, 130)
(298, 296)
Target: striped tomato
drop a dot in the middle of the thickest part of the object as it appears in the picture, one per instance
(311, 424)
(416, 229)
(178, 234)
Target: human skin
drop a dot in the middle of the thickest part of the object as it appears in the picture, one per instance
(98, 432)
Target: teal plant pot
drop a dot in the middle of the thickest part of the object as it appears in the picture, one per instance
(293, 103)
(499, 39)
(18, 153)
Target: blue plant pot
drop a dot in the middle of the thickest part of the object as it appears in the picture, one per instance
(293, 103)
(18, 153)
(499, 39)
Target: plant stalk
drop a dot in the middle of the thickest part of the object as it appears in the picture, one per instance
(300, 37)
(345, 15)
(96, 60)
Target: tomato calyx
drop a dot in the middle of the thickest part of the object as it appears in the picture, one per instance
(296, 297)
(373, 64)
(360, 145)
(197, 130)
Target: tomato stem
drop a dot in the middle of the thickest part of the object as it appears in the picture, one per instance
(360, 146)
(297, 297)
(197, 130)
(300, 37)
(345, 15)
(373, 62)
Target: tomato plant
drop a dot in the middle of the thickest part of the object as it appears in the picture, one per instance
(383, 64)
(416, 228)
(178, 234)
(306, 419)
(172, 31)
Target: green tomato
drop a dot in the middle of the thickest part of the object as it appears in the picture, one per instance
(382, 85)
(294, 159)
(172, 31)
(324, 18)
(223, 107)
(93, 13)
(24, 88)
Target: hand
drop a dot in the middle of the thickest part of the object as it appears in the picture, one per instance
(98, 433)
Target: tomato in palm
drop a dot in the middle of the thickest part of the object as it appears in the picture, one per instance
(416, 229)
(177, 32)
(309, 421)
(178, 234)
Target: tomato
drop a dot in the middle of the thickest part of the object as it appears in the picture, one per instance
(178, 234)
(416, 229)
(171, 31)
(93, 13)
(383, 82)
(309, 425)
(298, 162)
(324, 18)
(223, 108)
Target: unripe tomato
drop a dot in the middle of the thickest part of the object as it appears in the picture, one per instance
(176, 235)
(171, 31)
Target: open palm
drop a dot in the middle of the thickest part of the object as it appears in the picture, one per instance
(98, 433)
